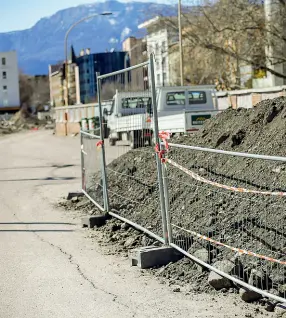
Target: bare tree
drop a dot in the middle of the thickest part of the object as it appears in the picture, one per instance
(41, 88)
(26, 90)
(228, 34)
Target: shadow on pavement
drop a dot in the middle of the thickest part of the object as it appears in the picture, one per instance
(40, 179)
(39, 167)
(31, 223)
(36, 231)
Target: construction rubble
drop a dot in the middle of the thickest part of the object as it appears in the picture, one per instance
(22, 120)
(250, 221)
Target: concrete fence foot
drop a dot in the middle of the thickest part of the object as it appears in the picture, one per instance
(94, 221)
(151, 256)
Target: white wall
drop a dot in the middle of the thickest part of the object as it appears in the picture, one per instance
(157, 42)
(9, 97)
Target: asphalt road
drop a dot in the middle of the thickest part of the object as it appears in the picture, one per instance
(49, 268)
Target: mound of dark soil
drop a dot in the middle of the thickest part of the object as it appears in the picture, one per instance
(254, 222)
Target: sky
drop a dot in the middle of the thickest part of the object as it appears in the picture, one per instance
(23, 14)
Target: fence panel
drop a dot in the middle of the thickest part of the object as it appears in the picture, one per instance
(91, 165)
(130, 127)
(226, 207)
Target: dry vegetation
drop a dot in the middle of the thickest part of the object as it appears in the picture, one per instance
(220, 37)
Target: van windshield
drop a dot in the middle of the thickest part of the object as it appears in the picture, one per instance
(176, 98)
(136, 105)
(197, 97)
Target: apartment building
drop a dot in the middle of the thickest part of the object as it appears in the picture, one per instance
(160, 36)
(104, 63)
(9, 81)
(136, 49)
(57, 78)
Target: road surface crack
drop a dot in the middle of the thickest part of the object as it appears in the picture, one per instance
(82, 274)
(79, 270)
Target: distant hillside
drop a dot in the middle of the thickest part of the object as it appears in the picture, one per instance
(43, 44)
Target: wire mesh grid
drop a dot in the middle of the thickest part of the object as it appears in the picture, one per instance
(217, 223)
(92, 183)
(131, 170)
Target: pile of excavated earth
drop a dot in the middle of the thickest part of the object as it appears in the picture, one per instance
(22, 121)
(254, 222)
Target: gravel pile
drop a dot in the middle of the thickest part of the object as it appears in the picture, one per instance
(252, 222)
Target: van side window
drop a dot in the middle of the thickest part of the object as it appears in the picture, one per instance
(197, 97)
(136, 102)
(176, 98)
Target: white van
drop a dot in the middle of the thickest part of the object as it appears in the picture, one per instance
(180, 110)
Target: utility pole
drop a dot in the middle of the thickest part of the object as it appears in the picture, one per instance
(181, 42)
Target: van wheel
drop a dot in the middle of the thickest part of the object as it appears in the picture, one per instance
(134, 142)
(112, 142)
(150, 142)
(134, 145)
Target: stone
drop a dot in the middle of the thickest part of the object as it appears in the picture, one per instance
(280, 311)
(115, 227)
(74, 194)
(270, 306)
(176, 289)
(125, 226)
(218, 282)
(202, 255)
(130, 242)
(74, 200)
(248, 295)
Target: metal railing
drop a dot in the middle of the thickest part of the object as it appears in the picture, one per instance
(125, 187)
(226, 212)
(221, 209)
(91, 168)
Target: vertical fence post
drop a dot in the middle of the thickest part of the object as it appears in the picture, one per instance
(103, 160)
(167, 202)
(157, 141)
(82, 162)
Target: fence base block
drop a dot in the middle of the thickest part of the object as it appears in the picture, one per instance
(151, 256)
(74, 194)
(92, 221)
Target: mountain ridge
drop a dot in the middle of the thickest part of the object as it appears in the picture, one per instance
(43, 44)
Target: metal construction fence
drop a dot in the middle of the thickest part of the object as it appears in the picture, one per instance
(222, 206)
(213, 206)
(91, 168)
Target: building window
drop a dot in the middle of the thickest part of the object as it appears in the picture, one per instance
(88, 81)
(5, 102)
(164, 63)
(158, 65)
(4, 75)
(164, 76)
(5, 88)
(157, 48)
(158, 78)
(3, 61)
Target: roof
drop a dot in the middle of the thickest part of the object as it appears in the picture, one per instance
(203, 87)
(56, 68)
(148, 23)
